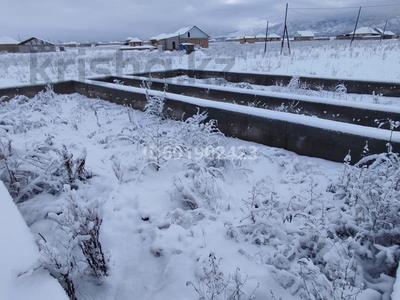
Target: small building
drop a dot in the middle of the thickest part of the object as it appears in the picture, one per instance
(35, 45)
(70, 45)
(135, 42)
(127, 40)
(8, 44)
(272, 37)
(191, 34)
(305, 35)
(366, 33)
(188, 47)
(362, 33)
(387, 35)
(322, 38)
(248, 39)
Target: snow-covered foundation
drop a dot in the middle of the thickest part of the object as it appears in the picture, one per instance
(312, 82)
(187, 213)
(289, 131)
(21, 276)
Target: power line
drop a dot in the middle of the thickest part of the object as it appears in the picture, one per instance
(345, 7)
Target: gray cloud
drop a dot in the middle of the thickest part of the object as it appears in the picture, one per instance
(116, 19)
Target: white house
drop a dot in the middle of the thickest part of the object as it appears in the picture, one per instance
(387, 34)
(134, 42)
(305, 35)
(172, 41)
(271, 37)
(366, 33)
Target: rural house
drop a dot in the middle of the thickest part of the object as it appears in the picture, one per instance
(362, 33)
(35, 45)
(173, 41)
(387, 35)
(8, 44)
(271, 37)
(248, 39)
(305, 35)
(134, 42)
(259, 38)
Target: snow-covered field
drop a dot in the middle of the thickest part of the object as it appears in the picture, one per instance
(365, 60)
(128, 205)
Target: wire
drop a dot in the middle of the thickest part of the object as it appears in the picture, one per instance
(345, 7)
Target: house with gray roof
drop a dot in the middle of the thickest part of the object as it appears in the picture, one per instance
(173, 41)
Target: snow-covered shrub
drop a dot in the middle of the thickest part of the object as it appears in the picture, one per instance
(347, 249)
(214, 284)
(44, 168)
(160, 144)
(305, 281)
(74, 168)
(118, 169)
(155, 103)
(295, 83)
(336, 277)
(8, 166)
(31, 112)
(309, 259)
(198, 188)
(61, 264)
(199, 133)
(81, 221)
(341, 89)
(293, 107)
(264, 211)
(371, 190)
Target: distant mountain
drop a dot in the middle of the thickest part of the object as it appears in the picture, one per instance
(329, 27)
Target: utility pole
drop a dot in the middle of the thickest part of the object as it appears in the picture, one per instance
(285, 31)
(266, 38)
(355, 27)
(384, 30)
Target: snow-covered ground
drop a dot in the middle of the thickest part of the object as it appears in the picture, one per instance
(20, 276)
(186, 213)
(396, 287)
(365, 60)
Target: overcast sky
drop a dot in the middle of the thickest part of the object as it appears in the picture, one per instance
(108, 20)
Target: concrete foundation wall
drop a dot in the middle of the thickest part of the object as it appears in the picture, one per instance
(301, 139)
(65, 87)
(304, 140)
(359, 116)
(390, 89)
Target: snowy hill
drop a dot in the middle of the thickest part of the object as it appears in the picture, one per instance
(328, 27)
